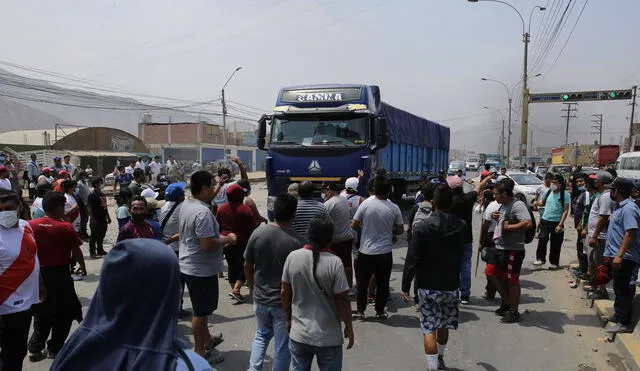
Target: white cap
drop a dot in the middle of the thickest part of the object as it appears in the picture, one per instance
(500, 177)
(149, 193)
(352, 184)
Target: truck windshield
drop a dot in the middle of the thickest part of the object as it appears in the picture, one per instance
(317, 132)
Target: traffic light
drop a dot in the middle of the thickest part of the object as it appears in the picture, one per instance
(619, 94)
(577, 96)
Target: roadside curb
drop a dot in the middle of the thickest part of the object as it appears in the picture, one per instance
(628, 344)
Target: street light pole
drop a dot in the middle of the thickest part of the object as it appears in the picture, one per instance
(224, 114)
(509, 124)
(525, 92)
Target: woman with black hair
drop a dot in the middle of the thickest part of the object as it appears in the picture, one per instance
(556, 209)
(315, 296)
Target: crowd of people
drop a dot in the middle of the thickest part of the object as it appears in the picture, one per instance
(299, 270)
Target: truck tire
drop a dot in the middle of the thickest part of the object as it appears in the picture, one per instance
(398, 188)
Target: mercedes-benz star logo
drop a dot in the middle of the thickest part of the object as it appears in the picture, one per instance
(315, 168)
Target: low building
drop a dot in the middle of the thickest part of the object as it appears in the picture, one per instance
(200, 141)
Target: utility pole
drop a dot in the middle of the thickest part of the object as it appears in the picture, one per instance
(568, 116)
(502, 142)
(633, 112)
(509, 134)
(531, 141)
(224, 125)
(524, 130)
(598, 126)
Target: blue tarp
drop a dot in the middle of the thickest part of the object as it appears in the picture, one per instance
(406, 128)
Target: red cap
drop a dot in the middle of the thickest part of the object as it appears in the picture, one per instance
(63, 172)
(3, 168)
(235, 193)
(46, 170)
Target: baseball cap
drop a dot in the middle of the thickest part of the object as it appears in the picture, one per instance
(46, 169)
(500, 177)
(454, 181)
(235, 193)
(352, 183)
(175, 191)
(493, 170)
(63, 172)
(149, 193)
(56, 158)
(623, 185)
(3, 168)
(604, 177)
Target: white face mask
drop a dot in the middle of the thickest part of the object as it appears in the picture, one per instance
(323, 196)
(9, 219)
(554, 187)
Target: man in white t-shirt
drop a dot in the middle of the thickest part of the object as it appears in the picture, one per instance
(21, 289)
(155, 168)
(379, 221)
(68, 166)
(71, 207)
(129, 169)
(5, 183)
(140, 164)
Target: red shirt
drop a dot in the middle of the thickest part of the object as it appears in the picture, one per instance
(236, 218)
(55, 240)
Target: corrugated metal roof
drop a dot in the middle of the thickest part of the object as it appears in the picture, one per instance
(101, 154)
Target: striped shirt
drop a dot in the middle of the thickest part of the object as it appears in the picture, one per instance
(307, 210)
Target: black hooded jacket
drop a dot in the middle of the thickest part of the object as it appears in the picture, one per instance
(435, 252)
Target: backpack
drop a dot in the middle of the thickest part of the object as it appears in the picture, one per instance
(530, 233)
(424, 210)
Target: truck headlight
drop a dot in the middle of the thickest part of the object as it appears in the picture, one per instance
(270, 201)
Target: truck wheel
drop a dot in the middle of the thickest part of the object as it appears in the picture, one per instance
(399, 187)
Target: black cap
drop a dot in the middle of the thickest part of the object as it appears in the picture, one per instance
(625, 186)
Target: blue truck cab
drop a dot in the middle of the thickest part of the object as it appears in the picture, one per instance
(326, 133)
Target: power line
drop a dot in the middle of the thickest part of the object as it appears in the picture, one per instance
(554, 36)
(568, 38)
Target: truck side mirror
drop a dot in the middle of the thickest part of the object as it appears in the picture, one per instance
(382, 136)
(262, 131)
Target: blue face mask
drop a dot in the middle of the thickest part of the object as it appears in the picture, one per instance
(582, 188)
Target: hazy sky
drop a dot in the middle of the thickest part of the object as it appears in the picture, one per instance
(427, 55)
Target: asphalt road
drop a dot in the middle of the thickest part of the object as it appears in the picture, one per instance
(558, 332)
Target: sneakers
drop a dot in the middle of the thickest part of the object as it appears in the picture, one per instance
(511, 317)
(213, 356)
(237, 297)
(464, 299)
(618, 329)
(441, 365)
(358, 315)
(609, 318)
(382, 316)
(38, 356)
(503, 310)
(553, 267)
(101, 253)
(76, 277)
(538, 263)
(51, 355)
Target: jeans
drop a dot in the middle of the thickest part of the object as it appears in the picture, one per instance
(98, 231)
(13, 340)
(465, 270)
(583, 260)
(271, 322)
(328, 358)
(368, 265)
(548, 232)
(623, 305)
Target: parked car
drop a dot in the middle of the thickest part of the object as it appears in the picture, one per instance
(526, 185)
(541, 171)
(454, 166)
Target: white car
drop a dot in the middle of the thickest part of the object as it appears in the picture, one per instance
(472, 164)
(526, 186)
